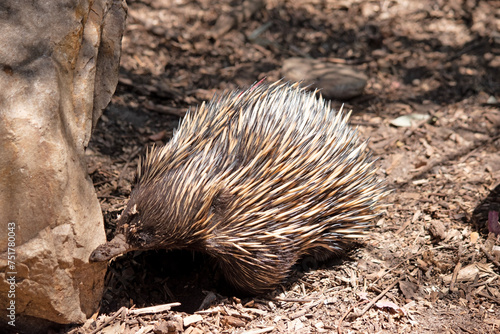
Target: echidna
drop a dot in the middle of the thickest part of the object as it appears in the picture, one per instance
(257, 179)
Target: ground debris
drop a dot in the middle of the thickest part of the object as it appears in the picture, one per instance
(429, 265)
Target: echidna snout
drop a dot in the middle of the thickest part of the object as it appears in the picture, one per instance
(257, 179)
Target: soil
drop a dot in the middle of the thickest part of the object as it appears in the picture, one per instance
(429, 264)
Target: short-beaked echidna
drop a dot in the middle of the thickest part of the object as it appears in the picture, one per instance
(257, 179)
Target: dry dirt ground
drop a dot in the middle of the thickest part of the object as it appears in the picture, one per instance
(429, 265)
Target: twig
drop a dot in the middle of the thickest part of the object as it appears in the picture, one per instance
(259, 330)
(448, 157)
(482, 294)
(339, 325)
(109, 320)
(154, 309)
(131, 156)
(376, 299)
(407, 259)
(406, 134)
(257, 32)
(465, 329)
(303, 311)
(488, 255)
(416, 215)
(161, 109)
(454, 276)
(339, 329)
(293, 300)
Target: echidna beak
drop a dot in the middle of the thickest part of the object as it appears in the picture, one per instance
(110, 249)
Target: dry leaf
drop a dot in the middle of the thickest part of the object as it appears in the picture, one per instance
(469, 273)
(391, 307)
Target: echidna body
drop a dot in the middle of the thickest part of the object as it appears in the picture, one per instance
(257, 179)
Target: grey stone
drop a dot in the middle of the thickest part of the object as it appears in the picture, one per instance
(336, 81)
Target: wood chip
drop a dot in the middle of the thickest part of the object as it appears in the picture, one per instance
(233, 321)
(437, 229)
(254, 310)
(191, 319)
(154, 309)
(193, 330)
(259, 330)
(144, 330)
(212, 310)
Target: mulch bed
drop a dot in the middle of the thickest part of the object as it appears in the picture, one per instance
(429, 265)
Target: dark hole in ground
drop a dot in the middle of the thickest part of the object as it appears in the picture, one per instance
(158, 277)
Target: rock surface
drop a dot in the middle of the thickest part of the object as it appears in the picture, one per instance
(58, 69)
(336, 81)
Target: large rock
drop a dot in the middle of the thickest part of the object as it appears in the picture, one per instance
(59, 64)
(336, 81)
